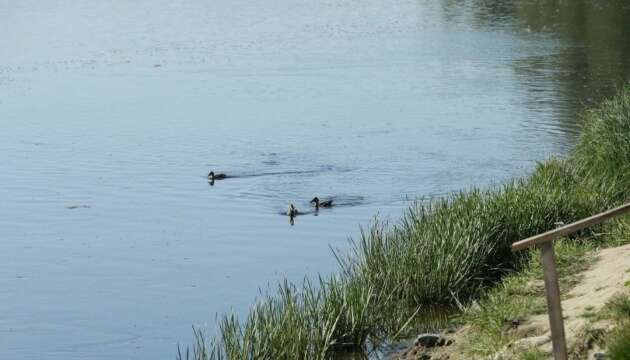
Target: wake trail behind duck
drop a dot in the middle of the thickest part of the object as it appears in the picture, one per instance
(288, 172)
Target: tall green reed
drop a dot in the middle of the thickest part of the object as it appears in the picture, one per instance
(441, 253)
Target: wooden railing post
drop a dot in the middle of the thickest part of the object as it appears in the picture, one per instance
(552, 288)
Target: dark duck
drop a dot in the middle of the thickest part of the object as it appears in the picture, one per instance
(218, 176)
(292, 211)
(321, 204)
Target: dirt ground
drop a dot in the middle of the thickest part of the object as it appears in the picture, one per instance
(597, 285)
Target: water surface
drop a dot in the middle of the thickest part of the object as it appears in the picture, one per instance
(112, 241)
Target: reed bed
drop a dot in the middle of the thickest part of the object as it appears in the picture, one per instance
(442, 253)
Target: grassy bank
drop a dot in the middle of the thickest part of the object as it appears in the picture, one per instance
(441, 254)
(618, 343)
(492, 322)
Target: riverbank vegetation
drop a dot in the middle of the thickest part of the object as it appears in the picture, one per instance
(619, 342)
(493, 322)
(442, 255)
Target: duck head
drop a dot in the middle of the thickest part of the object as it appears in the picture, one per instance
(315, 201)
(211, 175)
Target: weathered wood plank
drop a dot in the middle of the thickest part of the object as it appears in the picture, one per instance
(556, 323)
(570, 228)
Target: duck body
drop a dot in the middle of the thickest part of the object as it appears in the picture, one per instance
(324, 204)
(218, 176)
(292, 211)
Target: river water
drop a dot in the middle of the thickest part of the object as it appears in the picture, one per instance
(112, 241)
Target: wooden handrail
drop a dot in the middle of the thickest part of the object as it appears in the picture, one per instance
(550, 274)
(570, 228)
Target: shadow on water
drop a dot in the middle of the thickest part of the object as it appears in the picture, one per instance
(597, 63)
(592, 63)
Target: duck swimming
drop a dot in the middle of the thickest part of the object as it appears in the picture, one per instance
(325, 204)
(218, 176)
(293, 211)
